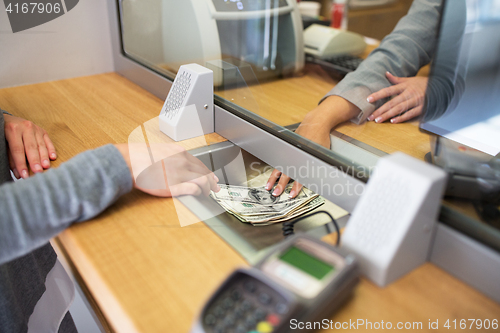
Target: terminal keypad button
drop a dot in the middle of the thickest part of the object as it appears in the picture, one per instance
(241, 329)
(260, 314)
(249, 306)
(219, 329)
(250, 321)
(273, 319)
(236, 295)
(227, 303)
(229, 321)
(281, 308)
(210, 320)
(238, 312)
(246, 305)
(218, 311)
(264, 327)
(264, 298)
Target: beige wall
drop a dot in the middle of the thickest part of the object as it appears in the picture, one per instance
(75, 44)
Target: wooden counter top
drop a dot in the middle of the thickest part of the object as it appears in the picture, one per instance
(148, 274)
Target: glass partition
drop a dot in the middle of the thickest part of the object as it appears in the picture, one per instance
(261, 74)
(256, 51)
(462, 111)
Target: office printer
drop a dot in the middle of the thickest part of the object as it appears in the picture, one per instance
(267, 34)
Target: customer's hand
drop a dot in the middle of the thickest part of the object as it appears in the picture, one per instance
(175, 172)
(27, 141)
(316, 127)
(407, 102)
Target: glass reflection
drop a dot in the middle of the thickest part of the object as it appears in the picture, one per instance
(463, 106)
(256, 51)
(264, 35)
(246, 44)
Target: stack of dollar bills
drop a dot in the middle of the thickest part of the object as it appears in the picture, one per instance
(258, 206)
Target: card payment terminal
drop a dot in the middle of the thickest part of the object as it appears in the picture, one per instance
(304, 279)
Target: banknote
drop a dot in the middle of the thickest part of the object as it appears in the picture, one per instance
(276, 218)
(244, 208)
(259, 207)
(272, 219)
(258, 195)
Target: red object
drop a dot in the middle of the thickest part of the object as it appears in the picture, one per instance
(337, 15)
(273, 320)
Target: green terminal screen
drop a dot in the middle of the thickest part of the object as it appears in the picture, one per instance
(306, 263)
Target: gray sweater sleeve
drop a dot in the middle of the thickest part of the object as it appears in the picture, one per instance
(38, 208)
(403, 52)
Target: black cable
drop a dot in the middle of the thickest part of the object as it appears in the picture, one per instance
(288, 226)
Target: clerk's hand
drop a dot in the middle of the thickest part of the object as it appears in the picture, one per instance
(175, 173)
(27, 141)
(313, 129)
(407, 102)
(316, 126)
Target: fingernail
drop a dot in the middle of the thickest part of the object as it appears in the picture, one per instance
(16, 173)
(53, 155)
(276, 192)
(37, 168)
(370, 118)
(216, 178)
(268, 186)
(292, 194)
(393, 120)
(369, 99)
(24, 173)
(388, 73)
(378, 120)
(46, 163)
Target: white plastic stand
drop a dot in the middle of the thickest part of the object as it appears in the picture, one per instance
(392, 226)
(188, 111)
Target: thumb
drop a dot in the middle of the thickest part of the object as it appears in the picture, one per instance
(185, 189)
(394, 79)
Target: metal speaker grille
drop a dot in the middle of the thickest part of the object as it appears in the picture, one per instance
(177, 94)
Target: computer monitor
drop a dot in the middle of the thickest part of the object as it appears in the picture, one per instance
(462, 104)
